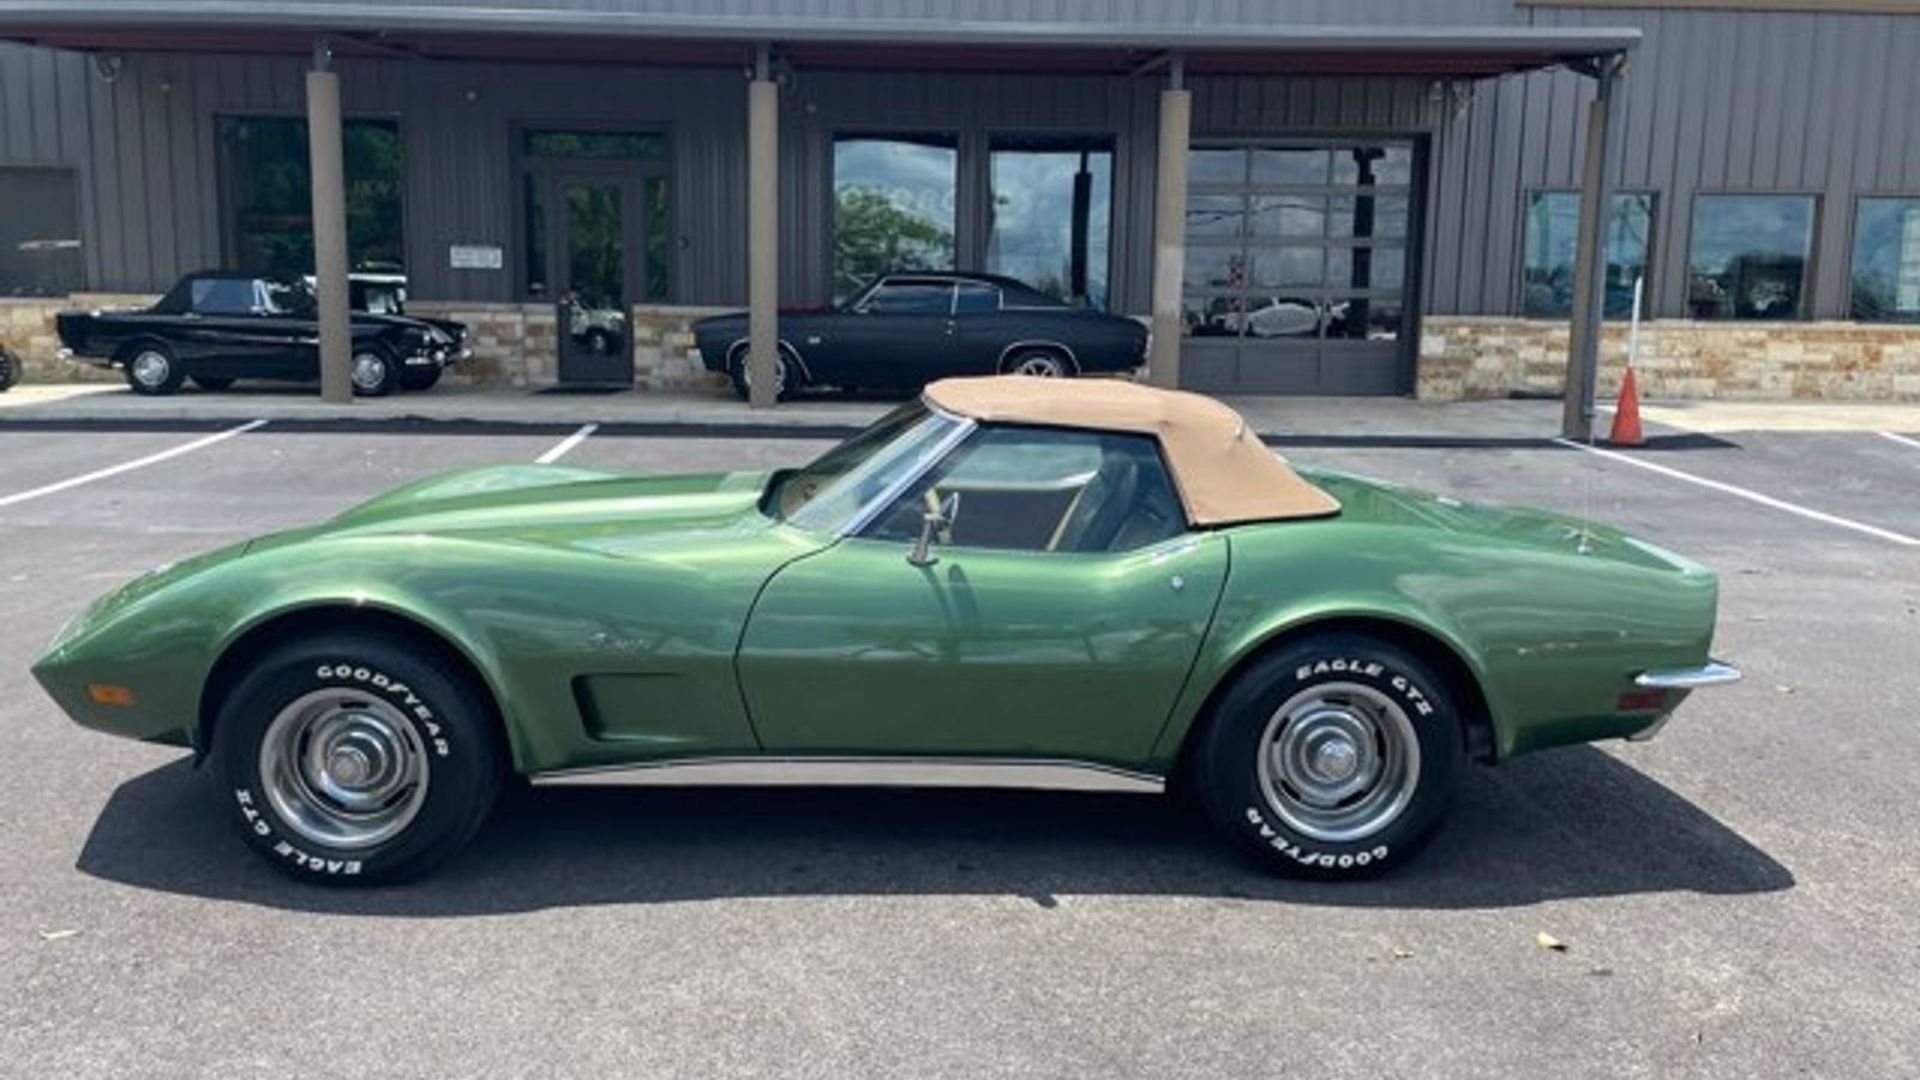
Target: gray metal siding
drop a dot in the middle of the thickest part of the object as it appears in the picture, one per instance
(1715, 101)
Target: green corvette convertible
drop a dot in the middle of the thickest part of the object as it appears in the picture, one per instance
(1011, 573)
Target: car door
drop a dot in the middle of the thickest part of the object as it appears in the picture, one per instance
(900, 334)
(1059, 621)
(222, 325)
(981, 328)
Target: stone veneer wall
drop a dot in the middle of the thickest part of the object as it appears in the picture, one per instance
(26, 327)
(516, 345)
(1473, 357)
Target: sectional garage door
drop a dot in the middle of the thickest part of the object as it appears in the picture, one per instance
(1300, 267)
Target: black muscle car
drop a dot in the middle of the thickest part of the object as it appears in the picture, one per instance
(908, 329)
(216, 326)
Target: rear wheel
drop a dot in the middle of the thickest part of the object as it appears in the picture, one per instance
(374, 372)
(215, 383)
(152, 369)
(1335, 757)
(352, 759)
(1040, 363)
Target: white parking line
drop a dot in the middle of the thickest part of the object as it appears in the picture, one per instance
(129, 466)
(564, 446)
(1901, 439)
(1750, 496)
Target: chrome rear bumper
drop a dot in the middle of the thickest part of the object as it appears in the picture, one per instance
(1712, 673)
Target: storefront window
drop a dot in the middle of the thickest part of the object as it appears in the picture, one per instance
(1050, 213)
(894, 200)
(1886, 261)
(1552, 236)
(269, 194)
(39, 233)
(1749, 255)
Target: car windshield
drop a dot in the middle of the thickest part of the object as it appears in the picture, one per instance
(831, 493)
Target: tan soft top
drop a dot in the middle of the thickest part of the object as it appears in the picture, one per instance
(1225, 474)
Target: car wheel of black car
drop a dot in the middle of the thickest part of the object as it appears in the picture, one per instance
(356, 758)
(422, 378)
(374, 371)
(151, 369)
(215, 383)
(785, 374)
(1041, 363)
(9, 370)
(1334, 757)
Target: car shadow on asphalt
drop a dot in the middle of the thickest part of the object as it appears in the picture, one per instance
(1564, 824)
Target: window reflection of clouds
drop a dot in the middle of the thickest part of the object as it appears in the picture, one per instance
(1032, 217)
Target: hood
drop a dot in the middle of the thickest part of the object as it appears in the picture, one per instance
(1376, 502)
(553, 505)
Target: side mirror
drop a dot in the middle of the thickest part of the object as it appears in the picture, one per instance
(936, 523)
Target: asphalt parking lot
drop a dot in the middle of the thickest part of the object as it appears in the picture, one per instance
(1737, 897)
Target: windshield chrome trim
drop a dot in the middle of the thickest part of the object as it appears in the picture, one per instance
(963, 426)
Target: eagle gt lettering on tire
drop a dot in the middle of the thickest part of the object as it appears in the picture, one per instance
(1335, 756)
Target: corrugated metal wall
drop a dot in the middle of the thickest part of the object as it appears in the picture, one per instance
(1715, 101)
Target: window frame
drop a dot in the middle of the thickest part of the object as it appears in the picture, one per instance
(929, 136)
(639, 170)
(224, 194)
(1096, 140)
(1810, 274)
(1649, 271)
(958, 442)
(1852, 246)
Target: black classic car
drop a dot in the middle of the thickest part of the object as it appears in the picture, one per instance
(908, 329)
(216, 326)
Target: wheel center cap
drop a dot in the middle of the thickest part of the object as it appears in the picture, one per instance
(350, 766)
(1336, 759)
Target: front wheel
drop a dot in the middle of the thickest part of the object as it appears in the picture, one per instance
(153, 370)
(1335, 757)
(373, 372)
(355, 759)
(783, 374)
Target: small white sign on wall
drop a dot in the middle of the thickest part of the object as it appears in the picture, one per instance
(475, 257)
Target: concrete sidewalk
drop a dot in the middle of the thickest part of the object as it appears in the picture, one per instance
(1336, 419)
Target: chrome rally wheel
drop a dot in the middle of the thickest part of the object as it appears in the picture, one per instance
(1040, 365)
(1339, 762)
(344, 769)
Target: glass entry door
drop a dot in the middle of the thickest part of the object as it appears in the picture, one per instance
(597, 249)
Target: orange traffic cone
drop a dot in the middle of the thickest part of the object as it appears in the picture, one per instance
(1626, 416)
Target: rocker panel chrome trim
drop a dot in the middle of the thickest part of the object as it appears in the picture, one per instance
(750, 771)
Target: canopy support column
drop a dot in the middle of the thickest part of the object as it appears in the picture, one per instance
(763, 233)
(1590, 257)
(324, 164)
(1170, 225)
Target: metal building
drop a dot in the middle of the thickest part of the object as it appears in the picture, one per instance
(1361, 186)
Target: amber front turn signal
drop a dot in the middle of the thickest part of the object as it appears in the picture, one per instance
(102, 694)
